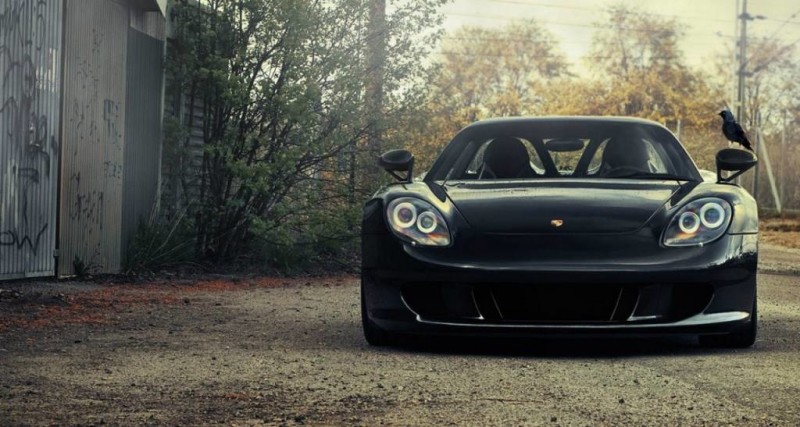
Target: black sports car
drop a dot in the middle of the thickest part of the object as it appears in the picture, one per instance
(559, 226)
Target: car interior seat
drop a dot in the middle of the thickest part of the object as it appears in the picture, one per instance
(505, 158)
(626, 153)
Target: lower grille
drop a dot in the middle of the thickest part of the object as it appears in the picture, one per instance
(514, 303)
(557, 303)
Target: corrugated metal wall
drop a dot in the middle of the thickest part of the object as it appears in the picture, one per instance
(30, 95)
(150, 23)
(93, 135)
(142, 130)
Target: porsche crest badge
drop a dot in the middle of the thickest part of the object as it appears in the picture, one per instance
(556, 222)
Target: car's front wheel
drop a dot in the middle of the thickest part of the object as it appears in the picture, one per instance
(372, 332)
(740, 338)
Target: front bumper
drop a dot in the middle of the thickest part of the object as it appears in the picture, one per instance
(711, 292)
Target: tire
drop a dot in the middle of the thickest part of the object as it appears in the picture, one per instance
(374, 335)
(741, 338)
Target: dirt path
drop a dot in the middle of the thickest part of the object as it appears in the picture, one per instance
(291, 353)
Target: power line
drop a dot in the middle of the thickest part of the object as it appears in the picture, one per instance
(532, 40)
(568, 24)
(780, 52)
(774, 33)
(557, 6)
(500, 55)
(595, 10)
(785, 21)
(508, 39)
(746, 61)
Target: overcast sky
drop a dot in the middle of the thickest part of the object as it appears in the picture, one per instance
(709, 25)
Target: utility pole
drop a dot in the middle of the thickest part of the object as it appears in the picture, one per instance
(740, 95)
(756, 146)
(376, 63)
(735, 56)
(773, 185)
(375, 53)
(784, 153)
(742, 74)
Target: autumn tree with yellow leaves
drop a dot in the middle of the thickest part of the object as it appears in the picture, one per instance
(634, 68)
(485, 73)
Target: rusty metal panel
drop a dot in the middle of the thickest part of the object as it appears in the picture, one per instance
(90, 212)
(142, 130)
(30, 94)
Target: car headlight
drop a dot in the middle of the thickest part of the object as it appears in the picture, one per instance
(700, 222)
(418, 222)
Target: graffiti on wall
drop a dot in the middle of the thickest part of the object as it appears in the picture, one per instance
(29, 94)
(93, 152)
(112, 168)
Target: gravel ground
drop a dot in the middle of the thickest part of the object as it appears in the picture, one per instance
(290, 352)
(777, 259)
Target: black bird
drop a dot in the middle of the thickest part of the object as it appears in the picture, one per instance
(733, 131)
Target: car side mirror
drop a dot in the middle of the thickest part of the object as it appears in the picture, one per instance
(394, 161)
(734, 160)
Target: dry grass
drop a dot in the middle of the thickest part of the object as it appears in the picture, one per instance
(790, 239)
(781, 231)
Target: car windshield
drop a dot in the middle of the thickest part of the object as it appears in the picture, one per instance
(604, 149)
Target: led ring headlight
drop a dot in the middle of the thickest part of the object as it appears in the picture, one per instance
(417, 222)
(716, 213)
(689, 222)
(398, 211)
(426, 222)
(698, 222)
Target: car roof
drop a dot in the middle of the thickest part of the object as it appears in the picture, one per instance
(565, 126)
(561, 119)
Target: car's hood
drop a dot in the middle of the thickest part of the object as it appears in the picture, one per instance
(560, 206)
